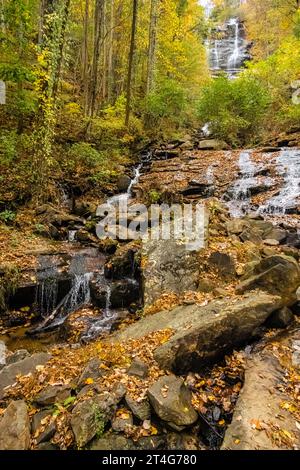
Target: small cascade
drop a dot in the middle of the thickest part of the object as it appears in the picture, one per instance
(210, 178)
(288, 199)
(105, 322)
(72, 236)
(46, 296)
(216, 53)
(240, 193)
(125, 197)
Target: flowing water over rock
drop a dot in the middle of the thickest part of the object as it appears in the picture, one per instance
(288, 199)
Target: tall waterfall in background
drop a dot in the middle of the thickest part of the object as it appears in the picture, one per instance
(227, 48)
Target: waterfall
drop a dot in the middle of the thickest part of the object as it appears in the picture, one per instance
(288, 199)
(108, 300)
(46, 296)
(125, 197)
(232, 61)
(71, 235)
(240, 193)
(227, 48)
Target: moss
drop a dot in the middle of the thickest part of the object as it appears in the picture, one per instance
(9, 280)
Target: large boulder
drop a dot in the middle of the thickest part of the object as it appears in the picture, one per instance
(28, 365)
(15, 427)
(203, 333)
(52, 394)
(172, 402)
(278, 275)
(262, 410)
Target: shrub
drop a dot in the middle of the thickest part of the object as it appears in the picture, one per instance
(235, 108)
(83, 154)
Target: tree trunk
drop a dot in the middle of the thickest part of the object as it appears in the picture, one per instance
(152, 47)
(110, 77)
(65, 17)
(130, 60)
(85, 57)
(98, 19)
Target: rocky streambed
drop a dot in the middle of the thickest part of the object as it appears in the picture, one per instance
(153, 346)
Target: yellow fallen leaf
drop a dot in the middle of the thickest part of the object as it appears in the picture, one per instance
(221, 422)
(153, 431)
(89, 381)
(237, 441)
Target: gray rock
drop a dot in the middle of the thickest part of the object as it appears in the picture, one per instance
(37, 419)
(112, 441)
(212, 144)
(277, 234)
(91, 371)
(138, 368)
(278, 275)
(182, 441)
(15, 427)
(47, 434)
(223, 263)
(3, 354)
(9, 373)
(271, 242)
(202, 334)
(281, 318)
(141, 410)
(123, 182)
(172, 401)
(119, 423)
(236, 226)
(17, 356)
(52, 394)
(46, 446)
(89, 417)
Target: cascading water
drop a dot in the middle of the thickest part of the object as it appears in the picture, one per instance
(234, 58)
(288, 199)
(125, 197)
(240, 193)
(227, 48)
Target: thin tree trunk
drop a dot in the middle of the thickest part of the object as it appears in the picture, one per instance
(110, 72)
(99, 7)
(61, 46)
(85, 54)
(130, 60)
(152, 47)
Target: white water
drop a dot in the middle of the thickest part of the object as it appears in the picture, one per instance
(125, 197)
(240, 200)
(288, 166)
(210, 177)
(235, 56)
(71, 235)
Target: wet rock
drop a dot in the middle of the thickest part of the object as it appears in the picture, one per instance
(223, 263)
(140, 409)
(83, 236)
(47, 434)
(108, 246)
(91, 371)
(172, 402)
(138, 368)
(293, 240)
(52, 394)
(3, 353)
(122, 264)
(84, 209)
(251, 234)
(236, 226)
(278, 275)
(281, 318)
(122, 293)
(204, 333)
(122, 421)
(212, 144)
(17, 356)
(15, 427)
(28, 365)
(123, 182)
